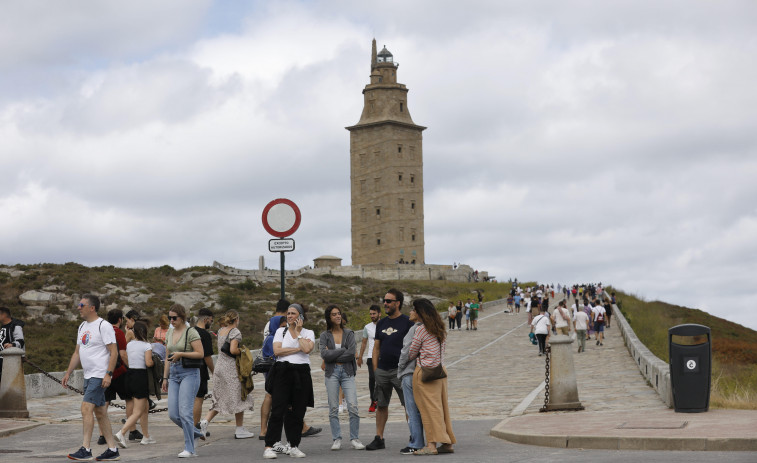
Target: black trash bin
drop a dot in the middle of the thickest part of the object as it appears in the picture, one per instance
(690, 353)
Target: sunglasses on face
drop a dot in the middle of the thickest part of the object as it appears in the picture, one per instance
(173, 317)
(389, 301)
(82, 305)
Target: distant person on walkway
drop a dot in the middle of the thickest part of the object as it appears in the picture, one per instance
(474, 315)
(291, 383)
(204, 322)
(608, 314)
(467, 314)
(540, 327)
(337, 347)
(182, 382)
(451, 315)
(366, 348)
(599, 322)
(227, 390)
(97, 352)
(161, 330)
(516, 302)
(459, 316)
(581, 324)
(139, 352)
(405, 371)
(11, 333)
(387, 347)
(427, 347)
(561, 318)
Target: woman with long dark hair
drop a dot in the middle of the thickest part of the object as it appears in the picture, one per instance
(428, 346)
(337, 348)
(139, 353)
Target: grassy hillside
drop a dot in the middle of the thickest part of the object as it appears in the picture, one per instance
(51, 330)
(734, 347)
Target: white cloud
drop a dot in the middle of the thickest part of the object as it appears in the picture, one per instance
(566, 141)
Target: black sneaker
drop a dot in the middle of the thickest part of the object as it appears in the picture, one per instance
(312, 431)
(408, 451)
(377, 444)
(109, 455)
(151, 404)
(81, 455)
(135, 435)
(101, 440)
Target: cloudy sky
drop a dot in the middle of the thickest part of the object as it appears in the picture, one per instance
(567, 141)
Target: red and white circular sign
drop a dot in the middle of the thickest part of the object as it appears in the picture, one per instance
(281, 217)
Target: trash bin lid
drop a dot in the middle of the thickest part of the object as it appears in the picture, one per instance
(690, 329)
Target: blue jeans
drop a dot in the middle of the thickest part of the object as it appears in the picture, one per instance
(183, 384)
(413, 415)
(340, 378)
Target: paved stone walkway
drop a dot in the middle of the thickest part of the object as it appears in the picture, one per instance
(491, 371)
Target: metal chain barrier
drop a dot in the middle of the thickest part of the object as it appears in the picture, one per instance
(25, 359)
(547, 352)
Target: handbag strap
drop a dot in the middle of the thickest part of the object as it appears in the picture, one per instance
(186, 337)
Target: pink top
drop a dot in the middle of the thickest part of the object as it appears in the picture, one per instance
(160, 334)
(426, 348)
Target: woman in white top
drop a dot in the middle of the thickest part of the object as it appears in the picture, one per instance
(139, 352)
(289, 382)
(540, 326)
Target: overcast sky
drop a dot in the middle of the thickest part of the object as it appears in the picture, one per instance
(567, 141)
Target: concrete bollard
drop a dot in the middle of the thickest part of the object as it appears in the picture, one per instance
(12, 385)
(563, 390)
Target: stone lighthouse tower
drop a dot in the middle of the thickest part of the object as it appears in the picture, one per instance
(386, 172)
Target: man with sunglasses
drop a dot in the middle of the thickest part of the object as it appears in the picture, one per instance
(97, 352)
(387, 347)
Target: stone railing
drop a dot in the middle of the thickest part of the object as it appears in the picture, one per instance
(654, 369)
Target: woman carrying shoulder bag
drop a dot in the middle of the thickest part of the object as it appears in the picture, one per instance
(227, 390)
(428, 346)
(181, 375)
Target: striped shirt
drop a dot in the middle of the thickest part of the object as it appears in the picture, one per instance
(426, 348)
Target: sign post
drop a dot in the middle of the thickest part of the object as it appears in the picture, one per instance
(281, 218)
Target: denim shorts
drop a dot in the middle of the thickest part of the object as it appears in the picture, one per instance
(94, 392)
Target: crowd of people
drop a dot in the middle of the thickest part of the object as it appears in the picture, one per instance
(404, 353)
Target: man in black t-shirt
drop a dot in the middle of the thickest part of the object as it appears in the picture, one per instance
(387, 348)
(204, 321)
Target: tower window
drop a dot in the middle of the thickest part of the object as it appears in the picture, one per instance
(412, 207)
(412, 180)
(399, 148)
(378, 212)
(381, 79)
(399, 177)
(378, 241)
(402, 106)
(412, 237)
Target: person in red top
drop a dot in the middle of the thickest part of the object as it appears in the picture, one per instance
(118, 385)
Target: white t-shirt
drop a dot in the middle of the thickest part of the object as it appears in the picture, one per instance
(541, 324)
(561, 321)
(582, 321)
(370, 332)
(288, 342)
(93, 339)
(598, 310)
(135, 350)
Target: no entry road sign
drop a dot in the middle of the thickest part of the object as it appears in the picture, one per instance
(281, 218)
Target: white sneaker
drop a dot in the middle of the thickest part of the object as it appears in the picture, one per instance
(147, 440)
(269, 454)
(357, 445)
(294, 452)
(120, 439)
(337, 444)
(280, 447)
(243, 434)
(204, 427)
(186, 454)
